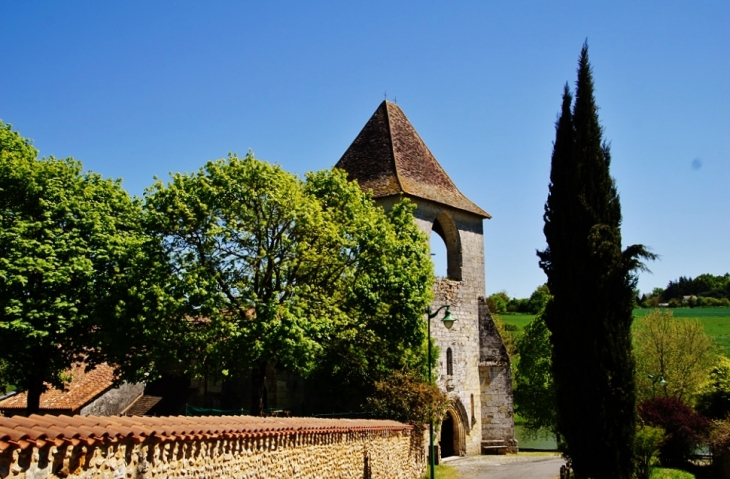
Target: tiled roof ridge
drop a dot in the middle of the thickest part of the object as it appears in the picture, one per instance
(479, 211)
(418, 136)
(393, 154)
(40, 430)
(454, 198)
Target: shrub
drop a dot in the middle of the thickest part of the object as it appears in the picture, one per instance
(647, 442)
(720, 437)
(402, 396)
(713, 400)
(685, 429)
(675, 303)
(661, 473)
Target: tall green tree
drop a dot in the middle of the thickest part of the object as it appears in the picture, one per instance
(538, 299)
(534, 391)
(591, 279)
(279, 271)
(68, 239)
(674, 349)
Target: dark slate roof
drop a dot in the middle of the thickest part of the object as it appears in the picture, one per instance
(389, 158)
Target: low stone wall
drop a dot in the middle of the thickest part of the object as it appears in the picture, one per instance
(208, 447)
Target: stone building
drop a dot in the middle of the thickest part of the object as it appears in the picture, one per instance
(389, 159)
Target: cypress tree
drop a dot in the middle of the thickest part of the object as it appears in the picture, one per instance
(591, 280)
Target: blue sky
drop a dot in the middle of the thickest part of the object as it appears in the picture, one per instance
(137, 89)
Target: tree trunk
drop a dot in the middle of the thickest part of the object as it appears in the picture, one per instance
(258, 389)
(35, 389)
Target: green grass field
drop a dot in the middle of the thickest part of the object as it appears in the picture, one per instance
(518, 320)
(715, 320)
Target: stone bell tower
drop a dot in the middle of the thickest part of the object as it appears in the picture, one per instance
(389, 159)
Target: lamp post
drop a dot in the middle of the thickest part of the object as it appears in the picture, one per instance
(657, 379)
(448, 322)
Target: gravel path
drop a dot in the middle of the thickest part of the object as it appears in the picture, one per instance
(508, 467)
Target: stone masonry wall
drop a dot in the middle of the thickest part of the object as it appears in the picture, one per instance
(481, 383)
(467, 248)
(498, 427)
(321, 454)
(114, 401)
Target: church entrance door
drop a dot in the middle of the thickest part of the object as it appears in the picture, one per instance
(446, 445)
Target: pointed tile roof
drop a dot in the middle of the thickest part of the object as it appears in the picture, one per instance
(389, 158)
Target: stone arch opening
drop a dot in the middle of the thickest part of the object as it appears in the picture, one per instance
(445, 228)
(448, 436)
(452, 437)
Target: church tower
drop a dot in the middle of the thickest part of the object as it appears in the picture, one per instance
(389, 159)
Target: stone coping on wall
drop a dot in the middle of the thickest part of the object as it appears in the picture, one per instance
(41, 430)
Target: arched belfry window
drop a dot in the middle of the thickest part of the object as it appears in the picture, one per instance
(449, 362)
(445, 229)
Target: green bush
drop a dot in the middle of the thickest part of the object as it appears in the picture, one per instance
(646, 448)
(403, 396)
(720, 438)
(708, 301)
(685, 429)
(713, 400)
(662, 473)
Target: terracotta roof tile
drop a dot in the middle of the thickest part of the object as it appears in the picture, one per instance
(22, 432)
(84, 387)
(388, 158)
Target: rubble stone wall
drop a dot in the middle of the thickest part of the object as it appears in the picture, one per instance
(357, 454)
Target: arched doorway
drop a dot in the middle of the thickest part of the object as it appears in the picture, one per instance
(452, 435)
(446, 444)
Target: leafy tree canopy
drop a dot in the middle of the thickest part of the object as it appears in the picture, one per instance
(677, 350)
(534, 391)
(706, 285)
(68, 239)
(299, 274)
(713, 400)
(498, 302)
(501, 303)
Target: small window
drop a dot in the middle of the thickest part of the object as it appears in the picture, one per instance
(449, 362)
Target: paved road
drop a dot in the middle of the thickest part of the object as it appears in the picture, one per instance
(507, 467)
